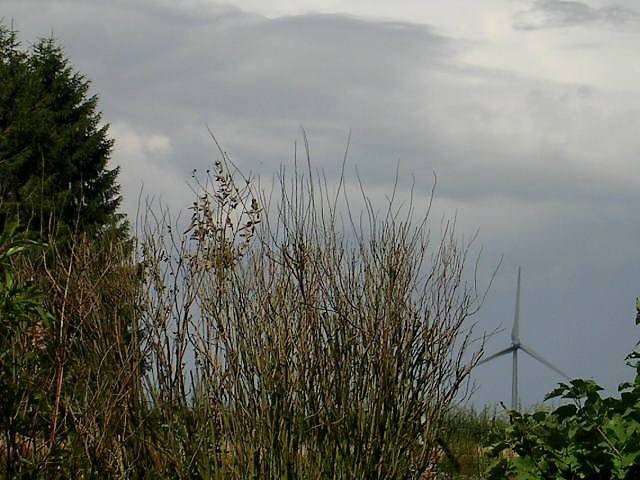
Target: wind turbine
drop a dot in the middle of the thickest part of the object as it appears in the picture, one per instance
(516, 345)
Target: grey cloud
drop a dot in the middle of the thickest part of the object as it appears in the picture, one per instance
(545, 14)
(257, 80)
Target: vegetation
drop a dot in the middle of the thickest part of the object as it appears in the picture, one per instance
(590, 437)
(53, 150)
(24, 356)
(466, 437)
(67, 371)
(260, 343)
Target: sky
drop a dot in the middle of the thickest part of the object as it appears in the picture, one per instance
(527, 111)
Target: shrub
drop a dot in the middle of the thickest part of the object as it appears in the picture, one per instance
(322, 346)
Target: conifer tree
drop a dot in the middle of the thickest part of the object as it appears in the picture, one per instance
(54, 151)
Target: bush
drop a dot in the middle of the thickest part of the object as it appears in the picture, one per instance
(70, 378)
(323, 347)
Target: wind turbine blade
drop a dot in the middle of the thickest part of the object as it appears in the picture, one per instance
(539, 358)
(498, 354)
(515, 331)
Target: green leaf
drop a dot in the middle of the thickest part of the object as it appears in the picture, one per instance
(557, 392)
(565, 411)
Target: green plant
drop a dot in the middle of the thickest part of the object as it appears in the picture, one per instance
(25, 360)
(592, 437)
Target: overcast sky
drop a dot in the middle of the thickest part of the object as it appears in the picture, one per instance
(528, 111)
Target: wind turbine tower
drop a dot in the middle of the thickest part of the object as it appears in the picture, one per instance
(516, 345)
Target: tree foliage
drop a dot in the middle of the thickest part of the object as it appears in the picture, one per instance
(54, 150)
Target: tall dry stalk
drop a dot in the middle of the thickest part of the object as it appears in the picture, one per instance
(299, 338)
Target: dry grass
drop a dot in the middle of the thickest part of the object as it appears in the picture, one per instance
(318, 345)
